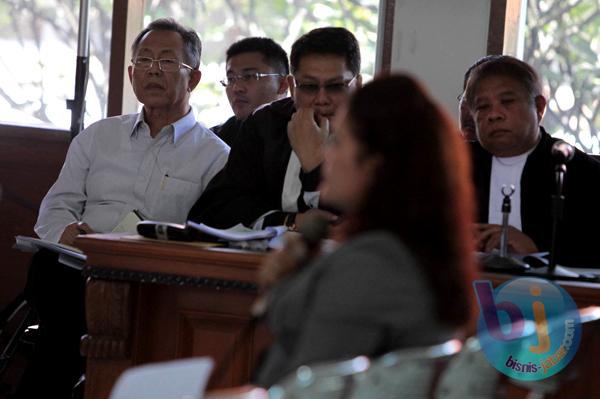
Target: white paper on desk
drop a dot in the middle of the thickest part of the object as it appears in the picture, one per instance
(239, 232)
(128, 224)
(68, 255)
(177, 379)
(585, 270)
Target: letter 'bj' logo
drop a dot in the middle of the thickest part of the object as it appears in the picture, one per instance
(529, 328)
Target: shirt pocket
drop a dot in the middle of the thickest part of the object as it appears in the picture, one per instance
(175, 198)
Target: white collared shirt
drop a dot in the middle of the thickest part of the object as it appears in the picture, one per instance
(115, 166)
(292, 189)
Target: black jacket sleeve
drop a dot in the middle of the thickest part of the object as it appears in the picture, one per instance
(251, 183)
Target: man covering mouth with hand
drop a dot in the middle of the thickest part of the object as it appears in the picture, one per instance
(273, 171)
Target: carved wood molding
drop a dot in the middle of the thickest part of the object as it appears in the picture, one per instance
(166, 279)
(109, 319)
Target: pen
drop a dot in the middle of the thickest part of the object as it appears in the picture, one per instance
(164, 181)
(139, 214)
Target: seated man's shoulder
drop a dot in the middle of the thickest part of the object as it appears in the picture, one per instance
(125, 121)
(228, 131)
(590, 162)
(119, 121)
(280, 109)
(585, 170)
(217, 128)
(108, 129)
(268, 123)
(202, 136)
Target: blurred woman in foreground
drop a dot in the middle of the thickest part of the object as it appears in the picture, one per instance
(398, 170)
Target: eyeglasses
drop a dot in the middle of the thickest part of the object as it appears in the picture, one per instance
(330, 88)
(164, 64)
(246, 78)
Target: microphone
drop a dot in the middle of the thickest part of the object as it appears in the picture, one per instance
(313, 229)
(562, 152)
(164, 231)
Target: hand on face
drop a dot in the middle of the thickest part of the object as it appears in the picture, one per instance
(487, 238)
(321, 85)
(307, 137)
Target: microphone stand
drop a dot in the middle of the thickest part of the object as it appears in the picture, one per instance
(77, 105)
(553, 271)
(506, 208)
(557, 211)
(503, 261)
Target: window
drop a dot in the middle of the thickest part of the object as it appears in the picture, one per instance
(562, 42)
(37, 63)
(221, 23)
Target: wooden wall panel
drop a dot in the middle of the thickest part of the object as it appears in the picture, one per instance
(185, 321)
(30, 159)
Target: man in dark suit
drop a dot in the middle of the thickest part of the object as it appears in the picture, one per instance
(257, 70)
(505, 98)
(273, 171)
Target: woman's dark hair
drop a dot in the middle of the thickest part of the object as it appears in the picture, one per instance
(421, 190)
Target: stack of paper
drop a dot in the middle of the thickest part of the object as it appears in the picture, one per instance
(67, 254)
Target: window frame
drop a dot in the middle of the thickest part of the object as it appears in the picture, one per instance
(127, 20)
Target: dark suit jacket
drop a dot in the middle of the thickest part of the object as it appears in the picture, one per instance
(229, 130)
(579, 230)
(252, 182)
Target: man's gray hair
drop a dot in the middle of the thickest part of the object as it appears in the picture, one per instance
(192, 46)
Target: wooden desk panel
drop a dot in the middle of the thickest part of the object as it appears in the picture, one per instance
(578, 377)
(151, 301)
(583, 293)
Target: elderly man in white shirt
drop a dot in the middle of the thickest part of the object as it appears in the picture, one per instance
(115, 166)
(156, 163)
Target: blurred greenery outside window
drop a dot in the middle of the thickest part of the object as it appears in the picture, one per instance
(39, 42)
(38, 59)
(221, 23)
(562, 42)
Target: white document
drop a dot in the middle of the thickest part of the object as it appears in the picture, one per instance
(68, 255)
(128, 224)
(238, 232)
(178, 379)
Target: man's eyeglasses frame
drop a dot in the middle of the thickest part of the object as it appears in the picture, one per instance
(136, 62)
(330, 88)
(245, 78)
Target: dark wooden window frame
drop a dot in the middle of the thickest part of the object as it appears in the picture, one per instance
(118, 62)
(497, 26)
